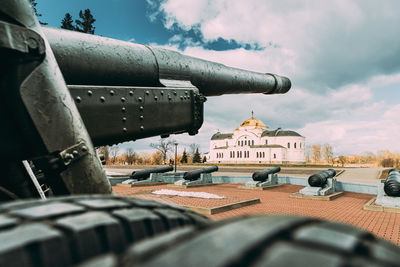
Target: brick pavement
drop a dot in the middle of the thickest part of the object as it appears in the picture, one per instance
(347, 208)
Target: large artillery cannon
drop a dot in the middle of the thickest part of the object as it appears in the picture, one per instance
(195, 174)
(320, 179)
(67, 91)
(262, 176)
(392, 183)
(144, 174)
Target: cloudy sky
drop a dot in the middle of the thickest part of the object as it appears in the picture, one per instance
(343, 57)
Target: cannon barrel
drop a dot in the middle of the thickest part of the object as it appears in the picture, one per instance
(262, 175)
(320, 179)
(195, 174)
(144, 174)
(86, 59)
(392, 183)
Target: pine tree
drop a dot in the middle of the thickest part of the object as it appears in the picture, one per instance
(85, 24)
(66, 23)
(196, 157)
(184, 157)
(34, 4)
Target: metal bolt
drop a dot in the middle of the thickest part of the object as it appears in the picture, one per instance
(169, 97)
(162, 92)
(147, 92)
(141, 117)
(123, 110)
(123, 99)
(78, 99)
(174, 92)
(141, 108)
(68, 157)
(155, 98)
(186, 92)
(181, 97)
(75, 153)
(142, 128)
(124, 119)
(140, 99)
(32, 43)
(102, 99)
(84, 148)
(112, 92)
(130, 93)
(124, 129)
(90, 93)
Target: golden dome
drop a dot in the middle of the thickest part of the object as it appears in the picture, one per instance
(253, 122)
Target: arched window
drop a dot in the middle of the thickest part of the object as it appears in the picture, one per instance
(263, 154)
(241, 143)
(256, 154)
(274, 156)
(252, 142)
(266, 141)
(245, 142)
(248, 154)
(295, 145)
(288, 145)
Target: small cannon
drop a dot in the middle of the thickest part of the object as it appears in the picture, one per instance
(145, 174)
(392, 183)
(321, 184)
(320, 179)
(195, 174)
(262, 176)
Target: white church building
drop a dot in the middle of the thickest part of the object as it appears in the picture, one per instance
(253, 142)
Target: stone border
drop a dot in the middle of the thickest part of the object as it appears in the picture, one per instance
(142, 184)
(370, 205)
(189, 186)
(223, 208)
(259, 187)
(327, 198)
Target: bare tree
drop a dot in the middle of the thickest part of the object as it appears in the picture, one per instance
(130, 156)
(316, 153)
(342, 160)
(327, 152)
(192, 149)
(164, 146)
(114, 154)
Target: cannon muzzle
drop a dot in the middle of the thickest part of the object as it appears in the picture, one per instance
(392, 183)
(86, 59)
(144, 174)
(195, 174)
(262, 176)
(320, 179)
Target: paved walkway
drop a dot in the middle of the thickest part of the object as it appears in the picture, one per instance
(346, 209)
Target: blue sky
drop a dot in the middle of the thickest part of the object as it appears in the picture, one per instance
(343, 60)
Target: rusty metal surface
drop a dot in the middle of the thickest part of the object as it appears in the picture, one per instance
(94, 60)
(116, 114)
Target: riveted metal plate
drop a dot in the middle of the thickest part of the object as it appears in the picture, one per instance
(117, 114)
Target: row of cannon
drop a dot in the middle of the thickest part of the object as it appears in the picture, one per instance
(391, 184)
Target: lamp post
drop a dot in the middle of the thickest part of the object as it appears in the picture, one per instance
(176, 149)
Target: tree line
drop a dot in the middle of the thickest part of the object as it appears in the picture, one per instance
(164, 154)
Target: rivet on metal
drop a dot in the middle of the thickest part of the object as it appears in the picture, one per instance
(141, 128)
(141, 108)
(181, 97)
(78, 99)
(124, 119)
(124, 129)
(162, 92)
(186, 92)
(123, 99)
(169, 97)
(89, 93)
(155, 98)
(75, 153)
(140, 99)
(84, 148)
(112, 92)
(141, 117)
(123, 109)
(130, 93)
(147, 92)
(32, 43)
(174, 92)
(102, 99)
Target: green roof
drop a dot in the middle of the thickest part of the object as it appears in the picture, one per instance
(279, 132)
(220, 136)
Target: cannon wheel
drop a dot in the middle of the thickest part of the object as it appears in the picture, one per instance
(68, 230)
(262, 241)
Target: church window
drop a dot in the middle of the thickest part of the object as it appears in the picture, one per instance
(263, 154)
(266, 141)
(274, 156)
(288, 145)
(237, 154)
(295, 145)
(252, 142)
(245, 142)
(248, 154)
(240, 154)
(256, 154)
